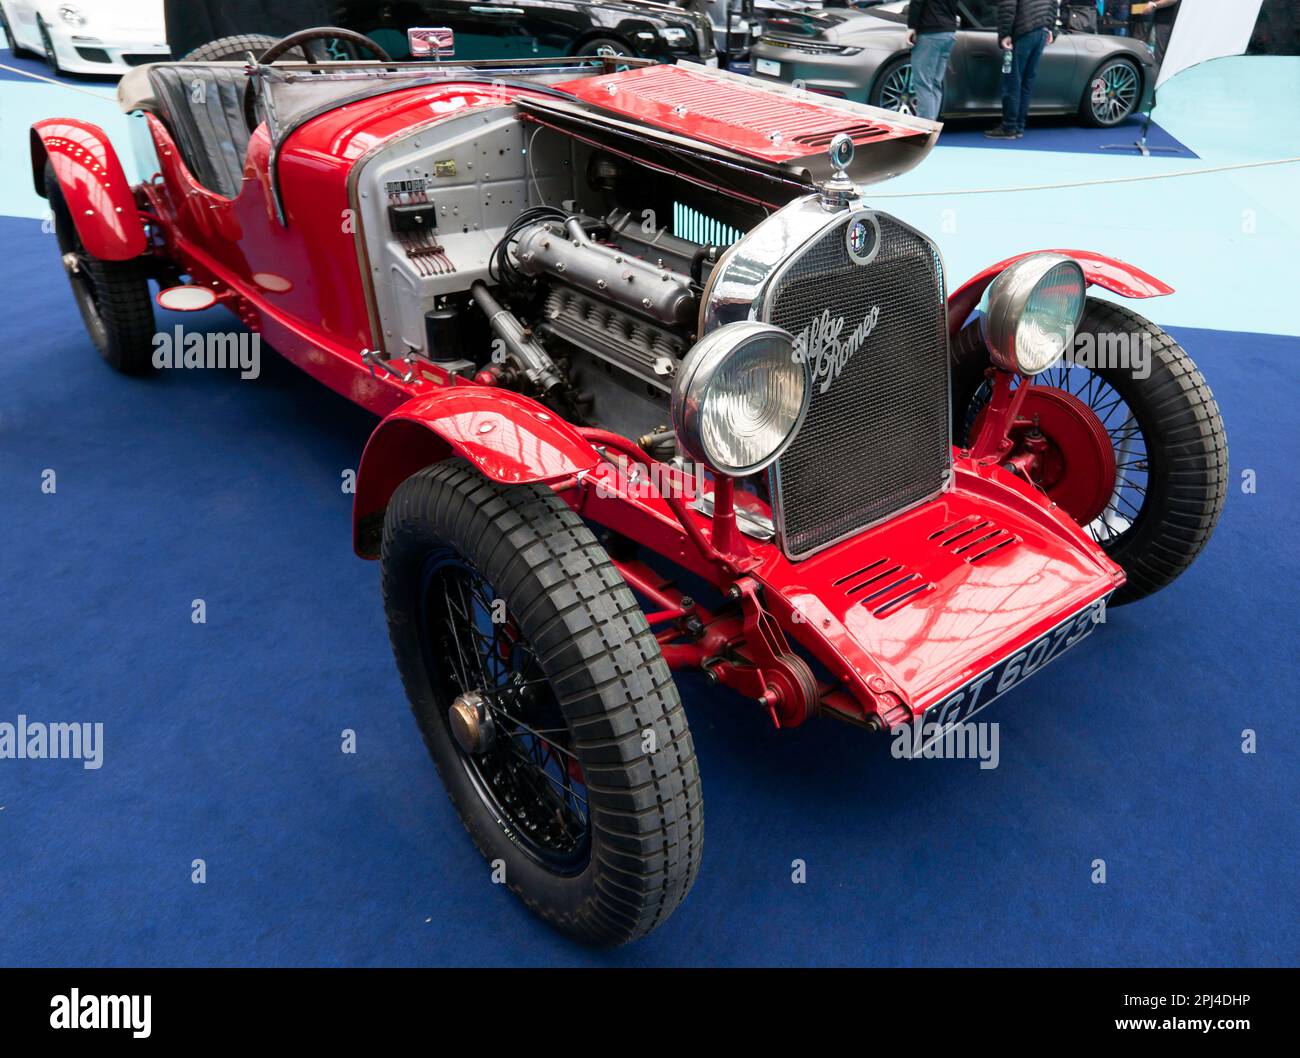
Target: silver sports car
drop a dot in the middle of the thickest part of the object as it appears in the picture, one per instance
(863, 55)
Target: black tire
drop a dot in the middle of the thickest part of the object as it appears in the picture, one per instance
(1122, 74)
(1175, 422)
(16, 49)
(610, 46)
(113, 296)
(884, 93)
(586, 634)
(51, 58)
(230, 49)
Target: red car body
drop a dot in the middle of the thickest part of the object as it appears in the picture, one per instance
(997, 564)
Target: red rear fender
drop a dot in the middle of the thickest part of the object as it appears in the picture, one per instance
(93, 183)
(505, 436)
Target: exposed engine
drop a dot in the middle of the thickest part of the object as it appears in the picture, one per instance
(595, 315)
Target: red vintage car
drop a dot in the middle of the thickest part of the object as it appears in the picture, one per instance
(660, 391)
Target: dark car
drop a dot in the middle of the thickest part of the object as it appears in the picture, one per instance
(483, 29)
(529, 29)
(864, 56)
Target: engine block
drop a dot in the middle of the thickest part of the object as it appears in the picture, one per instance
(642, 349)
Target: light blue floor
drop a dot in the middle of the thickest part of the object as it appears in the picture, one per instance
(23, 102)
(1228, 242)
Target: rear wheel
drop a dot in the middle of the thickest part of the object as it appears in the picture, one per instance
(895, 88)
(543, 700)
(1131, 445)
(1113, 93)
(113, 296)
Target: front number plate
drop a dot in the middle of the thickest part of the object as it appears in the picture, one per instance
(1010, 672)
(770, 67)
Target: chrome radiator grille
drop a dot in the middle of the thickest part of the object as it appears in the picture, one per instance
(876, 439)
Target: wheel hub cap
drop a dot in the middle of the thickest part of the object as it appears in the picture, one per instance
(1074, 459)
(471, 723)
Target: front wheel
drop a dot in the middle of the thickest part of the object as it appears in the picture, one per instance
(1113, 93)
(1124, 435)
(544, 701)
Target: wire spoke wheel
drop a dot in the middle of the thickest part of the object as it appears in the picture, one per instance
(1108, 418)
(544, 701)
(1123, 434)
(526, 773)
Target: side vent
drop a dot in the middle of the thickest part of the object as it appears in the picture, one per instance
(859, 133)
(974, 538)
(883, 586)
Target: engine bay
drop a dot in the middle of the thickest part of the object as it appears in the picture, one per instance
(516, 254)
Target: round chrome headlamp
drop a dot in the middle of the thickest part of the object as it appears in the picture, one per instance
(739, 397)
(1031, 311)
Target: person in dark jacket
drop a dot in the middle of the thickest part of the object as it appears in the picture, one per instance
(1119, 13)
(1025, 28)
(932, 32)
(1164, 13)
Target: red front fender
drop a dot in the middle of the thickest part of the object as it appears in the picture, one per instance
(507, 437)
(1106, 272)
(94, 185)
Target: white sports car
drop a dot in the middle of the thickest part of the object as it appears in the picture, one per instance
(87, 36)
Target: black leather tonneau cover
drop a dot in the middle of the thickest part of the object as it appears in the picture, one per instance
(203, 106)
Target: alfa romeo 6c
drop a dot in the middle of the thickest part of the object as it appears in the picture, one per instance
(661, 392)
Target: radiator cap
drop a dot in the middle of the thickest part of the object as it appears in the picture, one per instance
(838, 191)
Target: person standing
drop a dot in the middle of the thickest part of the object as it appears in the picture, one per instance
(1119, 13)
(932, 32)
(1165, 13)
(1025, 28)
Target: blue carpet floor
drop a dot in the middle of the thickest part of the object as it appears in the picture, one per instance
(222, 740)
(1060, 135)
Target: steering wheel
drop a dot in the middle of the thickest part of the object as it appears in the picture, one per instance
(300, 40)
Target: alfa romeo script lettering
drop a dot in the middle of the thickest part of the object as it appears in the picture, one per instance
(820, 344)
